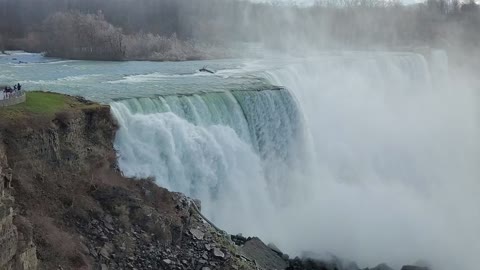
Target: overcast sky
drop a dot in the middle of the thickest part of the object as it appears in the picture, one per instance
(303, 2)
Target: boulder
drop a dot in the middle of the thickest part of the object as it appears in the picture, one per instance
(265, 257)
(197, 234)
(218, 253)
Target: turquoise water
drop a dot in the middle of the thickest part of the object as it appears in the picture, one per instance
(106, 81)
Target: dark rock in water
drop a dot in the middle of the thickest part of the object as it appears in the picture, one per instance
(205, 69)
(264, 256)
(413, 267)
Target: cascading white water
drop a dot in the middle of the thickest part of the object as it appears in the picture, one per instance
(222, 148)
(367, 160)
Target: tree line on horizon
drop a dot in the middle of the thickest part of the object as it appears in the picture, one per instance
(190, 29)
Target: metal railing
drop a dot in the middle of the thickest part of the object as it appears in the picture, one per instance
(12, 98)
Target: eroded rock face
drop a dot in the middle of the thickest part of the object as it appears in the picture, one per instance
(79, 212)
(8, 235)
(17, 250)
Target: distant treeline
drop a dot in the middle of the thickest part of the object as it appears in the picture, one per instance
(193, 29)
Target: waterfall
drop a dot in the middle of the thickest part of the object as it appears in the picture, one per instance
(396, 159)
(225, 148)
(362, 155)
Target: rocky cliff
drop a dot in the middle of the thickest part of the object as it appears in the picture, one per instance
(66, 206)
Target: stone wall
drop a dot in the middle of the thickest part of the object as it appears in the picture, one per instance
(13, 100)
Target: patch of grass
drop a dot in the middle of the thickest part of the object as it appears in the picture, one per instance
(43, 103)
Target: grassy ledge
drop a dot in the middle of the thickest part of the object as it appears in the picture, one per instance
(45, 104)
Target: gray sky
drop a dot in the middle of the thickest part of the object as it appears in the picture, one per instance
(306, 2)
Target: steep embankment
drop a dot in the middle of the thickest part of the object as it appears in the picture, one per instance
(72, 209)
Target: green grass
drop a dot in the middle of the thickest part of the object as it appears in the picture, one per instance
(41, 103)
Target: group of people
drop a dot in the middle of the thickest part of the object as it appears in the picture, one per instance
(9, 92)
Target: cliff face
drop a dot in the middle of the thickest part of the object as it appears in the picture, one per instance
(66, 206)
(17, 250)
(37, 156)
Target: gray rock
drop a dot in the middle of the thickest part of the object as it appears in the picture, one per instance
(93, 252)
(109, 226)
(108, 218)
(197, 234)
(218, 253)
(84, 248)
(104, 253)
(205, 268)
(104, 267)
(255, 249)
(167, 261)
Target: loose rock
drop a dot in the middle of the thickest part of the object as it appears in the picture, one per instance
(218, 253)
(197, 234)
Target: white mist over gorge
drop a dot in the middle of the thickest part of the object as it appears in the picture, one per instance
(368, 156)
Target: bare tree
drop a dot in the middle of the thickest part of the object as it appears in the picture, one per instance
(82, 36)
